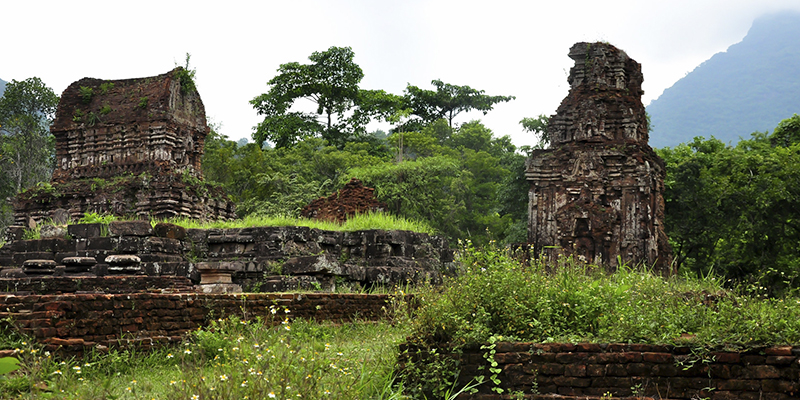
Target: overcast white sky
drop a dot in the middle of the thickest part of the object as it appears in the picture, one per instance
(503, 47)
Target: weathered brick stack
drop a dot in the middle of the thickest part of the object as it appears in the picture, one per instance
(597, 192)
(353, 198)
(128, 147)
(660, 371)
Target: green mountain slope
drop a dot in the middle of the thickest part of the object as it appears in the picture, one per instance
(751, 87)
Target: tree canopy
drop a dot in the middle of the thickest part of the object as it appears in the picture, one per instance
(331, 82)
(26, 110)
(733, 209)
(447, 101)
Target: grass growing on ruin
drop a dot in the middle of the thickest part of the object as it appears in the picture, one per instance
(572, 302)
(231, 359)
(357, 222)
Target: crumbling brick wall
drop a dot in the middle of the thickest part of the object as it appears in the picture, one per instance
(78, 322)
(353, 198)
(618, 370)
(597, 192)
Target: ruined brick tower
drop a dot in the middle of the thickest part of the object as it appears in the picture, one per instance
(131, 148)
(597, 192)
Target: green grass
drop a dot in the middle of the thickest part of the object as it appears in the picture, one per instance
(230, 359)
(357, 222)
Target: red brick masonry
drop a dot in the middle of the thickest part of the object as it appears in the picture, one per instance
(667, 372)
(74, 322)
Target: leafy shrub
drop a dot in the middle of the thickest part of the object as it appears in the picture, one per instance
(186, 77)
(86, 94)
(77, 115)
(105, 87)
(568, 301)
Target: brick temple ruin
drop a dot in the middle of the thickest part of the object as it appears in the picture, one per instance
(130, 148)
(597, 191)
(353, 198)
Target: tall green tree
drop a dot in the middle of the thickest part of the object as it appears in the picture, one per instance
(27, 149)
(446, 102)
(331, 81)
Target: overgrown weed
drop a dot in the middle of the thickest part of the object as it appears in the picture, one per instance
(570, 301)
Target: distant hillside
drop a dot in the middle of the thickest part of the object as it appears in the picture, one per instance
(2, 87)
(751, 87)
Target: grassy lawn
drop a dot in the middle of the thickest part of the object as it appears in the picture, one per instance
(230, 359)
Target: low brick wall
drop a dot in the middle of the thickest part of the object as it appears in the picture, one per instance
(75, 322)
(667, 372)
